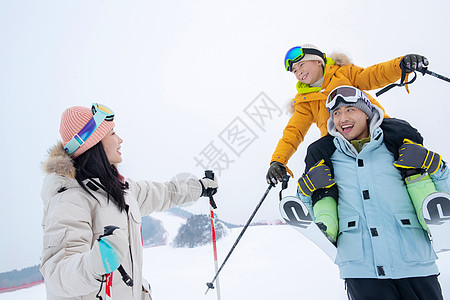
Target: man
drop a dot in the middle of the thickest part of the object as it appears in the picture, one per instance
(382, 250)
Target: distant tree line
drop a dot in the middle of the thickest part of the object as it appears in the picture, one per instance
(17, 278)
(197, 232)
(153, 232)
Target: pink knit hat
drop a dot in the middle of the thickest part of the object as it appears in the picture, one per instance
(73, 120)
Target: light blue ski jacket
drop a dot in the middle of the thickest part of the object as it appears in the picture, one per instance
(379, 233)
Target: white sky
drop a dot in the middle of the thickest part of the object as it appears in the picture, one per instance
(177, 74)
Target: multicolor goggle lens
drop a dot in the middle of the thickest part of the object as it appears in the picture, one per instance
(294, 55)
(100, 113)
(104, 109)
(347, 94)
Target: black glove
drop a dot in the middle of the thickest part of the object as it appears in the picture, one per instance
(413, 62)
(318, 177)
(275, 173)
(415, 156)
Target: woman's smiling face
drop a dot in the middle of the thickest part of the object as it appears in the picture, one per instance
(111, 143)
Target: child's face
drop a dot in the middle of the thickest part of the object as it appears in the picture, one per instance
(308, 71)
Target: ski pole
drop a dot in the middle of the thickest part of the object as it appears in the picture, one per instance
(425, 70)
(212, 205)
(211, 284)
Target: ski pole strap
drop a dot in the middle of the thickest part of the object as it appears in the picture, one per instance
(210, 174)
(284, 184)
(212, 202)
(107, 278)
(402, 83)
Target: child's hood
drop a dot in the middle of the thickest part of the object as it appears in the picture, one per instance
(340, 58)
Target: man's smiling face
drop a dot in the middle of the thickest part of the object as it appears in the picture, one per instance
(351, 122)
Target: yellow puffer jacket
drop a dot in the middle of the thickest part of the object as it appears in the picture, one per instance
(309, 103)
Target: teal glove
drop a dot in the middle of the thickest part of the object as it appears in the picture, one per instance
(111, 251)
(416, 156)
(318, 177)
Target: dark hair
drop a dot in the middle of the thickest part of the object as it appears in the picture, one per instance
(95, 164)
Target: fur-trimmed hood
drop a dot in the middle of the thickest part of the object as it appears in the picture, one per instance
(340, 58)
(59, 162)
(60, 174)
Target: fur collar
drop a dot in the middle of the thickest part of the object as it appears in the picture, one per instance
(59, 162)
(340, 59)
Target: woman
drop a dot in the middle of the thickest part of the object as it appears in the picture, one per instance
(83, 193)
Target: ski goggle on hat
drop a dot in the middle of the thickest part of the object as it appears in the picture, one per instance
(101, 113)
(347, 95)
(297, 53)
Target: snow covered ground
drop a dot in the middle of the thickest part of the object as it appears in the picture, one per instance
(270, 262)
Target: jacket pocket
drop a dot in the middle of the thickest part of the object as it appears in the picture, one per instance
(53, 242)
(146, 290)
(414, 241)
(349, 243)
(135, 213)
(108, 216)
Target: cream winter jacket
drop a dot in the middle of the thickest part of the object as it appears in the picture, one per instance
(73, 220)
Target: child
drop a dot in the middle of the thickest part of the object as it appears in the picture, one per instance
(317, 75)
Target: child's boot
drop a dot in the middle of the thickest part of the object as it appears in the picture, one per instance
(419, 187)
(326, 217)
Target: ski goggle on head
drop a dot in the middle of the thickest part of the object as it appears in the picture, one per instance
(297, 53)
(100, 113)
(346, 94)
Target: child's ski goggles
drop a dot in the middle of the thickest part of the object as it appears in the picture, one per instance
(347, 94)
(296, 54)
(101, 113)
